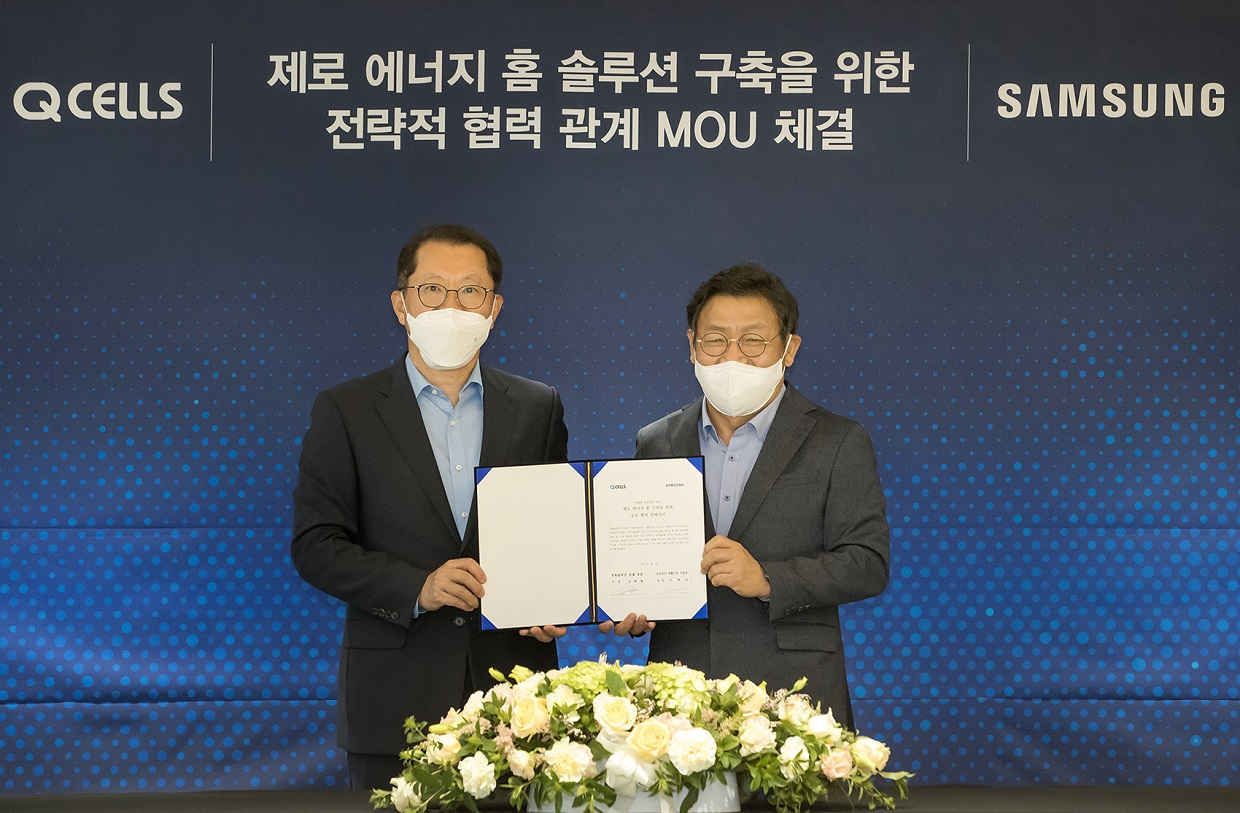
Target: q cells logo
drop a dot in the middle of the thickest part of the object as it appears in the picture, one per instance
(42, 101)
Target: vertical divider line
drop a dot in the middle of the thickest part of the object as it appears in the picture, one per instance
(968, 104)
(211, 113)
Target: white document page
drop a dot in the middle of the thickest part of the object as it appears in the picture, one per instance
(649, 530)
(532, 545)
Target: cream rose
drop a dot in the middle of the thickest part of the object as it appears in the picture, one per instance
(569, 760)
(755, 735)
(869, 755)
(836, 763)
(529, 716)
(614, 715)
(793, 758)
(523, 763)
(753, 697)
(692, 750)
(442, 749)
(649, 740)
(824, 727)
(477, 775)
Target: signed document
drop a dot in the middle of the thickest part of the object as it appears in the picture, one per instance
(580, 543)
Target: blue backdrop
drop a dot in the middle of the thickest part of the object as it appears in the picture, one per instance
(1011, 227)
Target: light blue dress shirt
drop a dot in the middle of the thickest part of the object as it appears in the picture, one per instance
(455, 434)
(728, 466)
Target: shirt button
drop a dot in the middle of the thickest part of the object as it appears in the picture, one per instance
(465, 514)
(434, 392)
(458, 468)
(460, 622)
(727, 498)
(453, 423)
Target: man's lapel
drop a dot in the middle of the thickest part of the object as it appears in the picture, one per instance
(682, 431)
(787, 434)
(398, 409)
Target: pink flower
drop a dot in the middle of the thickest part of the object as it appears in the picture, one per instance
(836, 764)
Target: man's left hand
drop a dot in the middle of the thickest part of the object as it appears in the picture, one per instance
(545, 634)
(726, 563)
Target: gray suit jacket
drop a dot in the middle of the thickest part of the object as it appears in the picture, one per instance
(813, 514)
(371, 520)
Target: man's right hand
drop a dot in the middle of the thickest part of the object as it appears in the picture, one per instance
(456, 583)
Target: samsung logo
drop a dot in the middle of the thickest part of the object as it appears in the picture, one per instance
(42, 101)
(1114, 100)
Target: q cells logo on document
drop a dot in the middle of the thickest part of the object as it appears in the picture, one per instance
(43, 101)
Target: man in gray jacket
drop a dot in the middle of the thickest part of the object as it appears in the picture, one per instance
(797, 519)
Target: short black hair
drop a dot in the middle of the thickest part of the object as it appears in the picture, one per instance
(747, 279)
(453, 235)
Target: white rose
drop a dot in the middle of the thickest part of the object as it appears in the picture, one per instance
(443, 749)
(405, 796)
(692, 751)
(625, 773)
(529, 717)
(523, 763)
(869, 755)
(614, 715)
(569, 760)
(836, 763)
(753, 697)
(756, 735)
(824, 727)
(793, 757)
(477, 775)
(797, 709)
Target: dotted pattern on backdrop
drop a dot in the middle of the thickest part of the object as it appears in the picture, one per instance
(1059, 455)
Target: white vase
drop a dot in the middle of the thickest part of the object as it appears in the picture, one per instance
(716, 797)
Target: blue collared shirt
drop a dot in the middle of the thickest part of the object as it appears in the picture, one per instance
(728, 466)
(455, 434)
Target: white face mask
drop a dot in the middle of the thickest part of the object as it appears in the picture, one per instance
(735, 388)
(448, 338)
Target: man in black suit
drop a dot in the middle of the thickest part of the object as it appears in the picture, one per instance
(797, 522)
(383, 514)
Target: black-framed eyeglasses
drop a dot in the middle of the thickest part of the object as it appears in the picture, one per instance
(432, 294)
(716, 344)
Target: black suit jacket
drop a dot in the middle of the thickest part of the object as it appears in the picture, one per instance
(814, 516)
(371, 520)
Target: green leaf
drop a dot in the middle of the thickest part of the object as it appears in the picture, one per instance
(423, 778)
(691, 797)
(616, 684)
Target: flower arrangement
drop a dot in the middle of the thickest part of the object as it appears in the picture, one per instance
(597, 731)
